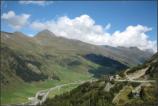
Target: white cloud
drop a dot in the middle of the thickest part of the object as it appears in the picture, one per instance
(81, 28)
(38, 2)
(133, 36)
(15, 21)
(30, 35)
(85, 29)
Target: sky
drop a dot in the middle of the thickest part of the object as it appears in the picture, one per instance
(113, 23)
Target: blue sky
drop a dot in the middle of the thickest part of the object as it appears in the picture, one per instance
(118, 14)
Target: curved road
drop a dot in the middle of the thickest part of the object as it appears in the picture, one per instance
(42, 95)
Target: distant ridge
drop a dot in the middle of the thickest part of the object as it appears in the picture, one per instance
(63, 52)
(45, 33)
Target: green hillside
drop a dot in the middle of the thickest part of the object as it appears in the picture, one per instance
(30, 64)
(117, 92)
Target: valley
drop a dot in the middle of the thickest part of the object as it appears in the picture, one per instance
(78, 53)
(47, 61)
(116, 90)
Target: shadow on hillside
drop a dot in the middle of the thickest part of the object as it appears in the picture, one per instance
(107, 65)
(19, 65)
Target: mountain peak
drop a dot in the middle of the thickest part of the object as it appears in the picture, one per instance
(45, 33)
(19, 33)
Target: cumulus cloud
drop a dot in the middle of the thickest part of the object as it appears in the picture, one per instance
(15, 21)
(133, 36)
(85, 29)
(81, 28)
(41, 2)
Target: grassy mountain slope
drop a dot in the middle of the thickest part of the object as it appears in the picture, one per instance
(46, 57)
(105, 92)
(133, 52)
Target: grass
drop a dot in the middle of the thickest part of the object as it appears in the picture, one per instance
(62, 90)
(122, 97)
(20, 92)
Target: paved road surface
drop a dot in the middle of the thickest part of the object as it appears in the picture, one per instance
(43, 94)
(141, 81)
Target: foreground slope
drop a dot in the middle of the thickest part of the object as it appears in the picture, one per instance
(115, 90)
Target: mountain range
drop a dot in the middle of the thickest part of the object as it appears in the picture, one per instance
(26, 60)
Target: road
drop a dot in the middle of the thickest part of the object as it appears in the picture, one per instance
(137, 74)
(42, 95)
(140, 81)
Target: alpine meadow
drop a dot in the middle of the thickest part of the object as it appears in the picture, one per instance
(79, 53)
